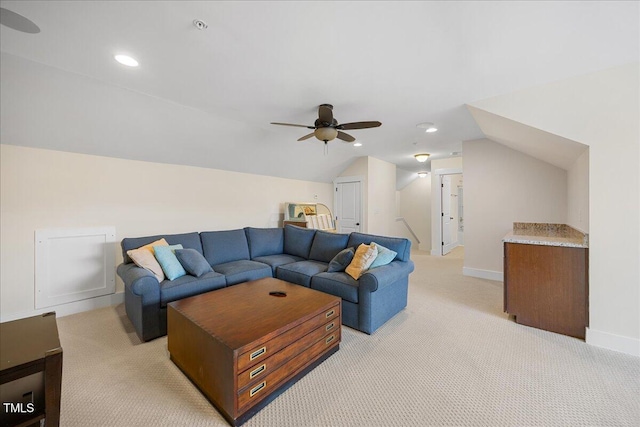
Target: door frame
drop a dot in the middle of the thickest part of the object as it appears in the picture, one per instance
(343, 179)
(438, 173)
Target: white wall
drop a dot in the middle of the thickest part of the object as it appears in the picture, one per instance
(382, 197)
(578, 193)
(600, 110)
(503, 186)
(43, 189)
(414, 202)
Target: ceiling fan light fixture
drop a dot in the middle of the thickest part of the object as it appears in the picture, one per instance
(126, 60)
(423, 157)
(326, 134)
(422, 174)
(428, 127)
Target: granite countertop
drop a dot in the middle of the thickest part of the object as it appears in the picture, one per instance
(534, 233)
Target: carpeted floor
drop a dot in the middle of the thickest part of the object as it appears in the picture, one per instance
(451, 358)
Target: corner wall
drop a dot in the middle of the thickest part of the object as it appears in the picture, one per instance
(414, 205)
(43, 189)
(503, 186)
(600, 110)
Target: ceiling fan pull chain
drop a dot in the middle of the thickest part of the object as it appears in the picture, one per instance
(326, 148)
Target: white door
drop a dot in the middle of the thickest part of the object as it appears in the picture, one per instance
(445, 195)
(348, 203)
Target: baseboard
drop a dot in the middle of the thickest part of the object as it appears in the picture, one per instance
(613, 342)
(70, 308)
(435, 252)
(483, 274)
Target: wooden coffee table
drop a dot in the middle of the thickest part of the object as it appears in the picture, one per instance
(244, 345)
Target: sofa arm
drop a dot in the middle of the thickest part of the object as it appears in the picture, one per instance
(140, 281)
(380, 277)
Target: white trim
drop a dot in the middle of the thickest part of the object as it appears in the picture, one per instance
(613, 342)
(483, 274)
(435, 252)
(71, 308)
(72, 264)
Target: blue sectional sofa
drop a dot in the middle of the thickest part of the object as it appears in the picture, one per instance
(297, 255)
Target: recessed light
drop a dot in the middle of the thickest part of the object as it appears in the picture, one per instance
(126, 60)
(422, 174)
(357, 144)
(427, 126)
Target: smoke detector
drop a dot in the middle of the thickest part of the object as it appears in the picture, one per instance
(200, 24)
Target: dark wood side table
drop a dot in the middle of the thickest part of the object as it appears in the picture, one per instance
(30, 371)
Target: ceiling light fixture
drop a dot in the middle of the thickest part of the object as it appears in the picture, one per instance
(326, 133)
(126, 60)
(427, 126)
(422, 174)
(357, 144)
(422, 157)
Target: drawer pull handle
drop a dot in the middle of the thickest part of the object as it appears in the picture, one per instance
(257, 371)
(329, 326)
(258, 353)
(330, 313)
(257, 388)
(329, 339)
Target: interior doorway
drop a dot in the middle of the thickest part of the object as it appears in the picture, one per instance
(450, 208)
(348, 204)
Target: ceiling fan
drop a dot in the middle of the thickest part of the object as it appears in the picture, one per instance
(326, 128)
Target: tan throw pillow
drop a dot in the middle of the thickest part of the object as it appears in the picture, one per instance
(364, 257)
(144, 257)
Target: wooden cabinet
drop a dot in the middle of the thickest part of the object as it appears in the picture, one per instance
(245, 344)
(547, 287)
(30, 371)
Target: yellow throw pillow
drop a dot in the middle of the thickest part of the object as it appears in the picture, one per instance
(144, 257)
(364, 257)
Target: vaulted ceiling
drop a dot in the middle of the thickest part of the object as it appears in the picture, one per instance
(206, 97)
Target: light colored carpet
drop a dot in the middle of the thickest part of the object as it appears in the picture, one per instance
(452, 357)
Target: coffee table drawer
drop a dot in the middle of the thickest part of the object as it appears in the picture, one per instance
(262, 351)
(262, 387)
(258, 371)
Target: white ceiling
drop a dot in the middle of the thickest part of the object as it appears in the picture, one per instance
(401, 63)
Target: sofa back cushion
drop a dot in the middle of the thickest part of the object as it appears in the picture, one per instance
(265, 241)
(224, 246)
(397, 244)
(326, 245)
(297, 240)
(187, 240)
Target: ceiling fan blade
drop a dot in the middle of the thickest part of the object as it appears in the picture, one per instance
(306, 136)
(358, 125)
(325, 113)
(291, 124)
(345, 137)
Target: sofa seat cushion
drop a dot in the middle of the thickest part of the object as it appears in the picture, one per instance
(243, 270)
(301, 272)
(277, 260)
(339, 284)
(186, 286)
